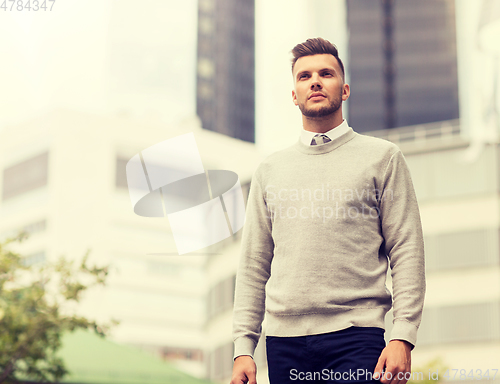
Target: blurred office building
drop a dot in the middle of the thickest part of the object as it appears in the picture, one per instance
(402, 63)
(63, 180)
(225, 80)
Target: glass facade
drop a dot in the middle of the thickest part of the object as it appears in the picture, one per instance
(225, 90)
(402, 63)
(25, 176)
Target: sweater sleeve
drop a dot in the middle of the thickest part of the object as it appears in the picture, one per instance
(254, 269)
(404, 246)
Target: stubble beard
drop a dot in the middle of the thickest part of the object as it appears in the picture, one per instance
(323, 111)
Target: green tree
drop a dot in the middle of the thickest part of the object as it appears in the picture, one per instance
(34, 303)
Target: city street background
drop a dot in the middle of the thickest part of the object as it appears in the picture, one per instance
(87, 85)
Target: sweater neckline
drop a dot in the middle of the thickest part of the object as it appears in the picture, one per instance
(325, 148)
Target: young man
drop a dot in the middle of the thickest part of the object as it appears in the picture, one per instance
(324, 220)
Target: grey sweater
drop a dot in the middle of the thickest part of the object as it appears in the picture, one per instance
(322, 225)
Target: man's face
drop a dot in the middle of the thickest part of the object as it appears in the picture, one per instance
(319, 88)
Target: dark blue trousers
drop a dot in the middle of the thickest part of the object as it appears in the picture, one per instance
(346, 356)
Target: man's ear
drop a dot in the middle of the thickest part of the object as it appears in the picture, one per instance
(294, 97)
(346, 92)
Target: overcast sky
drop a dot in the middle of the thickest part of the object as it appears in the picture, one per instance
(67, 57)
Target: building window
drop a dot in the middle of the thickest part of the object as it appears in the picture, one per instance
(467, 249)
(29, 229)
(206, 25)
(473, 322)
(162, 268)
(25, 176)
(221, 362)
(32, 228)
(34, 258)
(121, 173)
(206, 68)
(207, 5)
(178, 353)
(221, 296)
(206, 91)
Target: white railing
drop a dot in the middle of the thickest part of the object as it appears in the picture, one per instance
(444, 130)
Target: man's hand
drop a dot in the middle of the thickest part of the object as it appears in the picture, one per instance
(244, 371)
(396, 359)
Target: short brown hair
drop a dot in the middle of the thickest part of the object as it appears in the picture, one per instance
(316, 46)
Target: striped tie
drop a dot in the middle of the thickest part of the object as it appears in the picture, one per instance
(320, 139)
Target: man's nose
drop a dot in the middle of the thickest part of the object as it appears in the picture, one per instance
(315, 82)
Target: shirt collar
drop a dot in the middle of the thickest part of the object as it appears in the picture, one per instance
(306, 136)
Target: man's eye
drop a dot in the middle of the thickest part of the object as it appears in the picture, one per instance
(328, 74)
(302, 76)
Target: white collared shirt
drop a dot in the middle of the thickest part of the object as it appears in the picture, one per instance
(307, 136)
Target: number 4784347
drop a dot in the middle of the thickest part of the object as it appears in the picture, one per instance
(28, 5)
(473, 374)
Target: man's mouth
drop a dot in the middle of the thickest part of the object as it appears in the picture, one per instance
(316, 96)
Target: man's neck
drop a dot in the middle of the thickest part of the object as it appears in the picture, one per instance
(322, 124)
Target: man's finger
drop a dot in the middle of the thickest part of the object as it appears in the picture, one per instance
(388, 377)
(251, 377)
(379, 368)
(397, 376)
(237, 380)
(242, 379)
